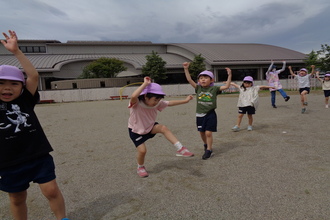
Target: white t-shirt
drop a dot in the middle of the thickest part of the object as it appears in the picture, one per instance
(303, 81)
(249, 97)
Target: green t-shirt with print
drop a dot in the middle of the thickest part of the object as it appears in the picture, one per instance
(206, 98)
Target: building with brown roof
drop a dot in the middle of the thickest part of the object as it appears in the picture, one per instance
(65, 61)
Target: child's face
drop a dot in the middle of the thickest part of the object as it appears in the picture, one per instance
(151, 102)
(205, 81)
(247, 84)
(10, 90)
(302, 73)
(327, 78)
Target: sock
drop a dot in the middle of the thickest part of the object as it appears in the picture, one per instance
(178, 145)
(139, 166)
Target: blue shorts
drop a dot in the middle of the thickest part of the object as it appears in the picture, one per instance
(304, 89)
(326, 93)
(17, 178)
(250, 110)
(207, 123)
(139, 139)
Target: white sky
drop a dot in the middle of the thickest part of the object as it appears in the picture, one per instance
(301, 25)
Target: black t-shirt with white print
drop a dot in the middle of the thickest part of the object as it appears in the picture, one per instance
(21, 135)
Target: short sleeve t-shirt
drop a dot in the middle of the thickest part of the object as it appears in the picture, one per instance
(248, 97)
(21, 135)
(142, 117)
(303, 81)
(206, 99)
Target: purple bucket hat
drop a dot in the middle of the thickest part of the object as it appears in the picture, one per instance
(11, 73)
(248, 78)
(207, 73)
(328, 74)
(303, 69)
(153, 88)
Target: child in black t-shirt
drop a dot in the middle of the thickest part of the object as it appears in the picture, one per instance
(24, 149)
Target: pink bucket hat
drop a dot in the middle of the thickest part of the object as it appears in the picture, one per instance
(207, 73)
(153, 88)
(11, 73)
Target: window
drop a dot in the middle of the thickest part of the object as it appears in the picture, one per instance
(33, 49)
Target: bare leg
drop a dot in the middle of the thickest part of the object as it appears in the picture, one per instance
(239, 119)
(209, 139)
(18, 205)
(141, 153)
(56, 201)
(250, 117)
(158, 128)
(203, 136)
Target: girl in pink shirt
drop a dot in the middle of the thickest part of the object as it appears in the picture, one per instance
(144, 105)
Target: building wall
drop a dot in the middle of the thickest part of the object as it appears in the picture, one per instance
(75, 95)
(94, 83)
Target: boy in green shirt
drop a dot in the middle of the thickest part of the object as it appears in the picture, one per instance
(206, 96)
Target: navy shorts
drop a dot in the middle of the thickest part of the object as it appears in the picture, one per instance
(326, 93)
(207, 123)
(139, 139)
(17, 178)
(250, 110)
(304, 89)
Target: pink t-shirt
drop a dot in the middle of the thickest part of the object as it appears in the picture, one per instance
(142, 117)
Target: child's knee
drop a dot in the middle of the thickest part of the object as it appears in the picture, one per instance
(51, 190)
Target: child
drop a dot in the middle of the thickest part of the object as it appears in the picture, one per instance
(325, 86)
(144, 104)
(248, 101)
(274, 81)
(206, 117)
(304, 85)
(24, 151)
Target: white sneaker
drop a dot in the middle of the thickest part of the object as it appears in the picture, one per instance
(235, 128)
(249, 128)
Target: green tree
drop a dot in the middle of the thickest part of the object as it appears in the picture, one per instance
(103, 68)
(154, 67)
(312, 59)
(197, 66)
(324, 57)
(321, 58)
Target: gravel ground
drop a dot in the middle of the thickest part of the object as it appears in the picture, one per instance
(280, 170)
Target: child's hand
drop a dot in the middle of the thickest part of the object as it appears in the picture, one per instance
(147, 80)
(11, 41)
(189, 97)
(228, 70)
(186, 65)
(313, 66)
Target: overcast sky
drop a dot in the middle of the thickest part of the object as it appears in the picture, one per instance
(301, 25)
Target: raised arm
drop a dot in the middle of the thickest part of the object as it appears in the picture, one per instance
(313, 70)
(135, 95)
(283, 66)
(187, 74)
(318, 76)
(291, 72)
(32, 74)
(270, 67)
(227, 85)
(179, 102)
